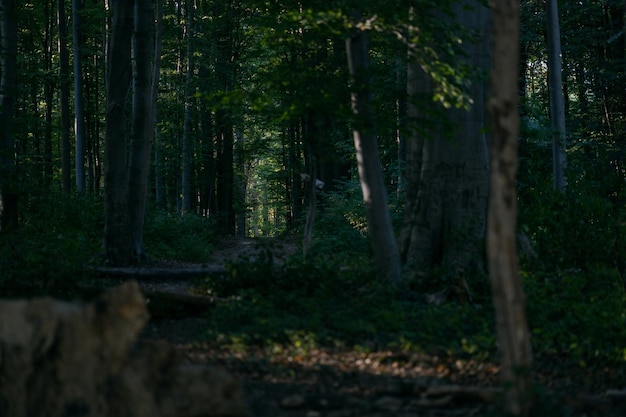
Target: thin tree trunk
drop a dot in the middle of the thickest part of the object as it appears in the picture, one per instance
(189, 99)
(557, 101)
(240, 184)
(156, 73)
(79, 116)
(48, 95)
(310, 136)
(64, 79)
(373, 188)
(508, 295)
(8, 83)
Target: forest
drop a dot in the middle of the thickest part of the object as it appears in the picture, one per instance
(388, 185)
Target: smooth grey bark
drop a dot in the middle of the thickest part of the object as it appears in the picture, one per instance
(118, 78)
(447, 177)
(64, 97)
(508, 295)
(380, 229)
(142, 125)
(8, 82)
(79, 114)
(557, 100)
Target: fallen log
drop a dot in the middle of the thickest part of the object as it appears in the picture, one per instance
(145, 272)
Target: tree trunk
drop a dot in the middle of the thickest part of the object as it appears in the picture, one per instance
(143, 129)
(508, 295)
(8, 83)
(447, 178)
(557, 101)
(241, 182)
(64, 96)
(79, 116)
(224, 72)
(189, 99)
(370, 172)
(48, 95)
(156, 73)
(116, 227)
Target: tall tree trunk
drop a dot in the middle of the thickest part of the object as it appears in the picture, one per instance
(310, 138)
(225, 60)
(156, 73)
(48, 94)
(8, 83)
(241, 182)
(189, 101)
(508, 295)
(557, 101)
(143, 129)
(64, 79)
(79, 116)
(447, 178)
(373, 188)
(225, 173)
(118, 77)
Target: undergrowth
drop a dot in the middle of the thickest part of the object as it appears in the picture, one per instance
(576, 302)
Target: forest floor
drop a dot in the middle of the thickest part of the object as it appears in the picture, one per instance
(340, 382)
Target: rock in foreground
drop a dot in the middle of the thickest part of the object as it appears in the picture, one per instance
(66, 359)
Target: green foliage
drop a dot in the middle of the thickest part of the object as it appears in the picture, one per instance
(323, 302)
(186, 238)
(59, 234)
(340, 226)
(578, 316)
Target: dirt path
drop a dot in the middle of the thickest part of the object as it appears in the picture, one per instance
(344, 383)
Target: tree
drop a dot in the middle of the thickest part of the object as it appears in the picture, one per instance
(508, 295)
(189, 98)
(142, 125)
(379, 226)
(557, 101)
(8, 84)
(79, 116)
(64, 97)
(116, 224)
(447, 178)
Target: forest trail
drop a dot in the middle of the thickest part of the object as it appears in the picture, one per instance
(343, 382)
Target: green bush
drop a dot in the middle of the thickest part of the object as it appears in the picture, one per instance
(578, 316)
(188, 238)
(57, 237)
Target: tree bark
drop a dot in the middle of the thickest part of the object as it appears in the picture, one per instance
(447, 178)
(379, 225)
(508, 295)
(116, 226)
(50, 13)
(156, 73)
(64, 97)
(189, 100)
(142, 131)
(557, 100)
(8, 83)
(79, 116)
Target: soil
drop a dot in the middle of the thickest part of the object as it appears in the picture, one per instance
(342, 383)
